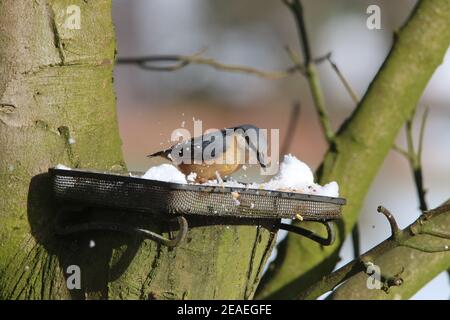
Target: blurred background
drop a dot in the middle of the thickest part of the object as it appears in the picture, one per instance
(254, 33)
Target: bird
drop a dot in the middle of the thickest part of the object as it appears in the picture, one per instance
(221, 152)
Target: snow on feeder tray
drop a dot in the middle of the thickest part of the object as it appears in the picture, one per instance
(112, 191)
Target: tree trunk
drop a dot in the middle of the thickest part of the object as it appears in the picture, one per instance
(57, 105)
(56, 91)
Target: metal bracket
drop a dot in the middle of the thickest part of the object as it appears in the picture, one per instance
(112, 226)
(310, 234)
(63, 229)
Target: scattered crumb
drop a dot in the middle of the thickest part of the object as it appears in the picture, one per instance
(235, 195)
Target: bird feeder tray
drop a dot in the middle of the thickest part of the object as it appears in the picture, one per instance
(128, 192)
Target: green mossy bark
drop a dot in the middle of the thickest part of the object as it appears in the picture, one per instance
(405, 262)
(216, 262)
(364, 141)
(56, 88)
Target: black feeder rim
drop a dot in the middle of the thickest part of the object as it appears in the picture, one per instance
(115, 191)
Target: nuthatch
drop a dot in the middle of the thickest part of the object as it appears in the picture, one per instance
(220, 152)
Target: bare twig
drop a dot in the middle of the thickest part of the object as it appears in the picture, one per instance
(310, 69)
(327, 57)
(293, 121)
(176, 62)
(295, 58)
(401, 151)
(297, 10)
(392, 222)
(415, 157)
(422, 133)
(344, 81)
(410, 139)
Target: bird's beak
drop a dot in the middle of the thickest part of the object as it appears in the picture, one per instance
(262, 159)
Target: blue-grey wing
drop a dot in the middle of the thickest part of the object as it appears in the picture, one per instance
(203, 148)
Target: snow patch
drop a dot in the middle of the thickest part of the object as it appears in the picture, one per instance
(293, 176)
(191, 177)
(165, 172)
(62, 167)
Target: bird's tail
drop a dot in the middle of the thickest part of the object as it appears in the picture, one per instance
(163, 153)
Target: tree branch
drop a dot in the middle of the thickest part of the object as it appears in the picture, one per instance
(422, 133)
(176, 62)
(363, 142)
(402, 151)
(418, 173)
(415, 157)
(344, 81)
(414, 250)
(310, 69)
(399, 238)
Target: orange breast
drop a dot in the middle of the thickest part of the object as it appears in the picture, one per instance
(232, 161)
(207, 172)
